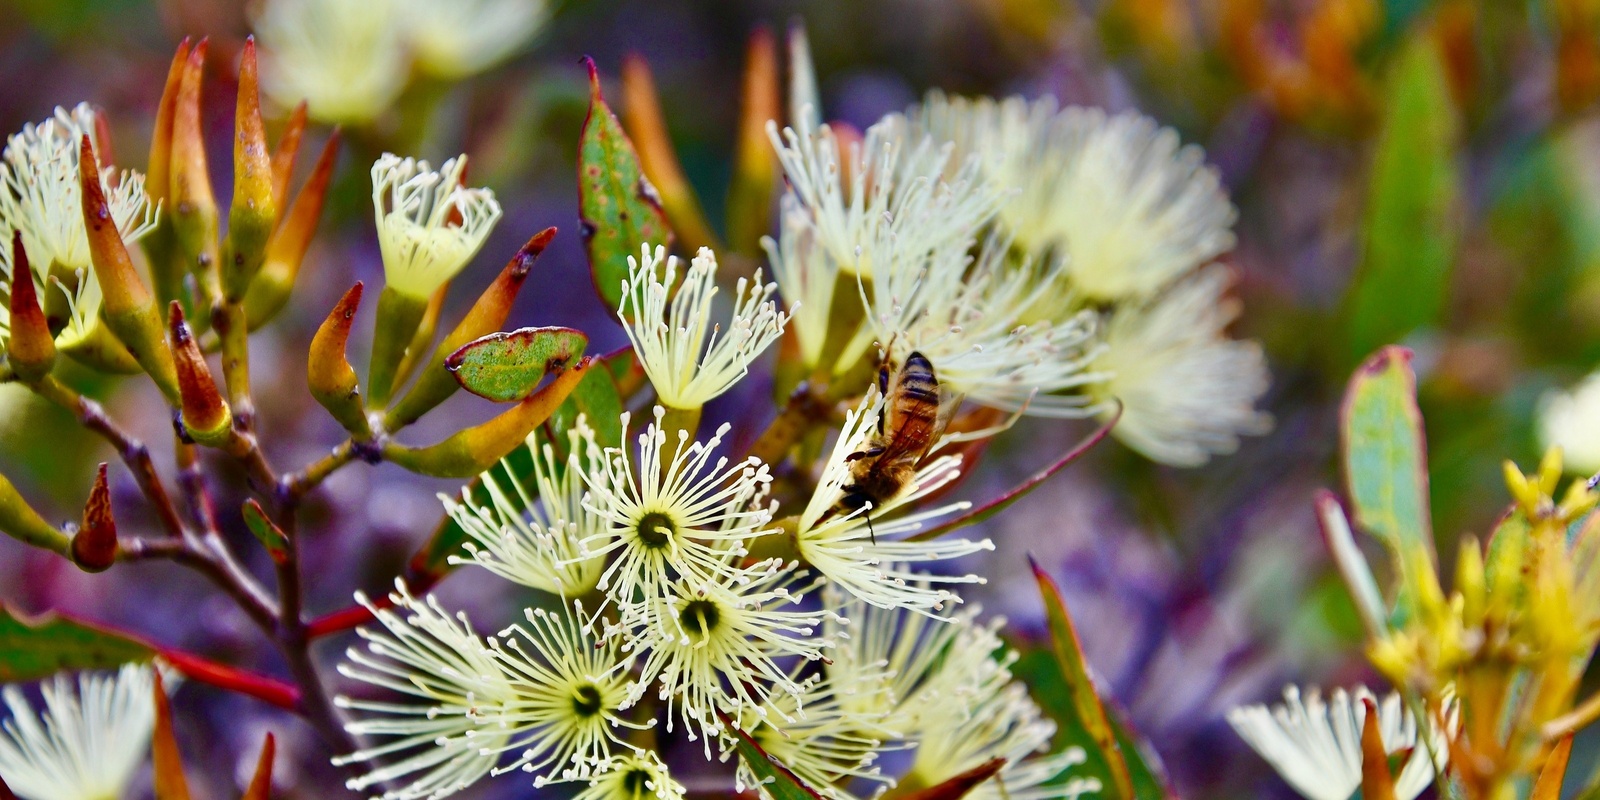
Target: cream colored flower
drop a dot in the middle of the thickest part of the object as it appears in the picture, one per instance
(345, 58)
(442, 742)
(821, 738)
(42, 196)
(1188, 391)
(429, 225)
(1128, 206)
(859, 550)
(640, 776)
(92, 735)
(720, 645)
(688, 359)
(456, 38)
(530, 531)
(1571, 420)
(1316, 745)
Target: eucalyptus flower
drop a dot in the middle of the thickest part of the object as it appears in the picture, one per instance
(821, 738)
(1119, 196)
(429, 224)
(570, 691)
(1179, 339)
(639, 776)
(1315, 744)
(688, 359)
(444, 743)
(858, 550)
(670, 515)
(345, 58)
(529, 532)
(969, 711)
(43, 199)
(717, 644)
(88, 741)
(456, 38)
(884, 656)
(1571, 420)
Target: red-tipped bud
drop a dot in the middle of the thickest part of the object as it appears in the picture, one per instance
(261, 785)
(128, 309)
(94, 548)
(206, 416)
(287, 248)
(480, 447)
(332, 380)
(283, 158)
(755, 174)
(485, 317)
(31, 350)
(254, 211)
(192, 205)
(159, 175)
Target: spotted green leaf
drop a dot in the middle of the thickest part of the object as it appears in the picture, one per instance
(505, 367)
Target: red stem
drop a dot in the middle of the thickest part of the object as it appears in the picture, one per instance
(268, 690)
(355, 616)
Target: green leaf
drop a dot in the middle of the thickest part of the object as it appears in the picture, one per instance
(505, 367)
(619, 208)
(777, 782)
(1385, 457)
(1411, 226)
(597, 400)
(1087, 710)
(31, 649)
(625, 370)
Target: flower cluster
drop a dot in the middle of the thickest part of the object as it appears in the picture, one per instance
(349, 59)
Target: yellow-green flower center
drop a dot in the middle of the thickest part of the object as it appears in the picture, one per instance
(586, 701)
(699, 618)
(655, 530)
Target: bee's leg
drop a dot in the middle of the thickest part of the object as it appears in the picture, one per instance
(870, 532)
(874, 450)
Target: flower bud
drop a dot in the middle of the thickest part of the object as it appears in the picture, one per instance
(94, 548)
(31, 350)
(128, 309)
(206, 416)
(192, 206)
(755, 174)
(485, 317)
(160, 245)
(284, 157)
(328, 372)
(480, 447)
(287, 248)
(19, 521)
(254, 212)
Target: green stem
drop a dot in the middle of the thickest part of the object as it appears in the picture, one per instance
(398, 317)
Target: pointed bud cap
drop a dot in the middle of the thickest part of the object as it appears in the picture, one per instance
(270, 290)
(192, 205)
(170, 784)
(254, 212)
(332, 380)
(31, 350)
(206, 416)
(94, 548)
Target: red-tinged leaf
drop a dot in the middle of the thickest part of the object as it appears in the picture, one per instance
(620, 209)
(1385, 455)
(261, 785)
(958, 786)
(1085, 700)
(1000, 503)
(777, 781)
(1555, 769)
(625, 370)
(36, 648)
(269, 534)
(164, 755)
(505, 367)
(1377, 783)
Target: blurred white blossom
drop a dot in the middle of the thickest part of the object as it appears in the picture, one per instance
(92, 735)
(1571, 420)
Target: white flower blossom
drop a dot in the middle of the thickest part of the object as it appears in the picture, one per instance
(1315, 744)
(43, 198)
(681, 517)
(530, 531)
(823, 739)
(640, 776)
(345, 58)
(456, 38)
(716, 645)
(1188, 391)
(858, 549)
(1571, 420)
(689, 360)
(1128, 206)
(570, 691)
(429, 225)
(442, 742)
(86, 744)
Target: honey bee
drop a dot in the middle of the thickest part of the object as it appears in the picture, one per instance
(911, 420)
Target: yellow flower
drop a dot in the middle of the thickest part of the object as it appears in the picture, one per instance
(429, 225)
